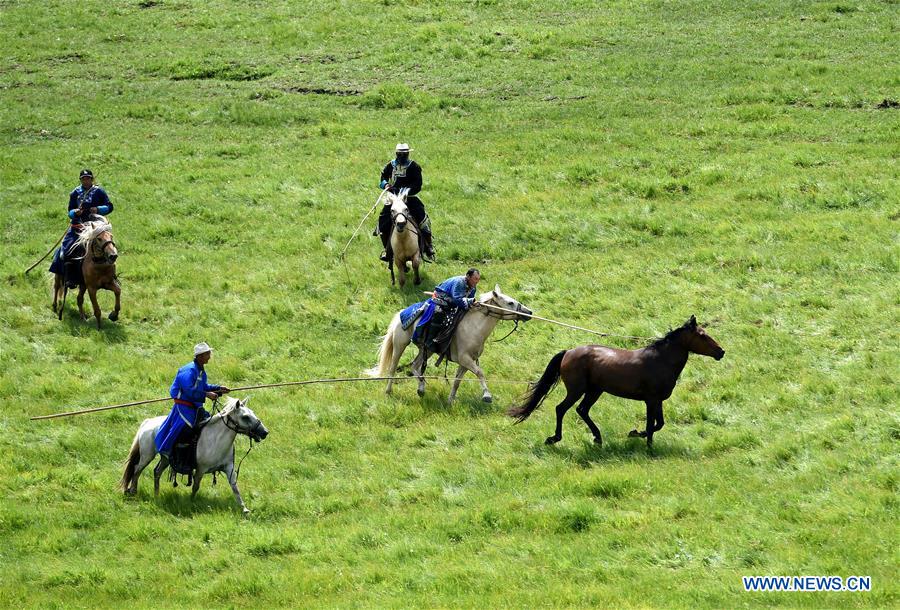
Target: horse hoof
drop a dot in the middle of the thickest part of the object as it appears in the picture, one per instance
(634, 434)
(246, 512)
(488, 398)
(552, 440)
(420, 392)
(114, 316)
(598, 441)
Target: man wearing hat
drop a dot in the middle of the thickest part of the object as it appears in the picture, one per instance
(190, 391)
(403, 172)
(85, 201)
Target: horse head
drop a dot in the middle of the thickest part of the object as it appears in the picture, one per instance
(514, 309)
(241, 418)
(694, 338)
(399, 211)
(97, 240)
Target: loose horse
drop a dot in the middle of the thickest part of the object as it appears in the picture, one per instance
(404, 239)
(465, 347)
(215, 448)
(648, 374)
(98, 269)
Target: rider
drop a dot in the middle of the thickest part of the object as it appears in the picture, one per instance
(190, 390)
(450, 296)
(403, 172)
(84, 202)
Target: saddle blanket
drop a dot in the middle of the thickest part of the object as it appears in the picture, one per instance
(421, 311)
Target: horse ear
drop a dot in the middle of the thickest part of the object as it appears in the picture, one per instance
(693, 321)
(496, 288)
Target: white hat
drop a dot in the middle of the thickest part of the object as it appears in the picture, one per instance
(201, 348)
(402, 148)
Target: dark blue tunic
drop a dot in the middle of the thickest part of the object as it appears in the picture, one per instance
(95, 197)
(189, 386)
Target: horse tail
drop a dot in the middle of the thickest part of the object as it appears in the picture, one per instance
(134, 456)
(538, 391)
(386, 351)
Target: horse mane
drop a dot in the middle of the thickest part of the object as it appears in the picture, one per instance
(667, 338)
(91, 231)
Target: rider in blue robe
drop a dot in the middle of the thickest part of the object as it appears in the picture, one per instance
(189, 391)
(450, 296)
(85, 201)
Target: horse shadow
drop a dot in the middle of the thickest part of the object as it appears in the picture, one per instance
(588, 453)
(112, 332)
(179, 503)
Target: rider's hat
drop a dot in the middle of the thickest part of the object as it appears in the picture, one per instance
(201, 348)
(86, 173)
(403, 148)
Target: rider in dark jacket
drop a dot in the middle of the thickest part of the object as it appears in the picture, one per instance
(402, 172)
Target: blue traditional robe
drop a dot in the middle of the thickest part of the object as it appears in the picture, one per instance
(189, 386)
(95, 197)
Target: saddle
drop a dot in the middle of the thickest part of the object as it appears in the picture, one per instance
(184, 453)
(439, 332)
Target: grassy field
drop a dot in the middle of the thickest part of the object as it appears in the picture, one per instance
(617, 165)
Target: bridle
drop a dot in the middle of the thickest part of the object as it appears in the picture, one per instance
(101, 248)
(252, 433)
(501, 316)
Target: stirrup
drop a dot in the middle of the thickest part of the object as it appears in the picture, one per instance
(384, 257)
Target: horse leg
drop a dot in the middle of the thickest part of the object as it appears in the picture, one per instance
(391, 267)
(584, 411)
(400, 345)
(198, 474)
(401, 269)
(141, 465)
(116, 290)
(654, 411)
(92, 292)
(561, 409)
(62, 306)
(157, 473)
(472, 365)
(80, 301)
(418, 369)
(57, 284)
(232, 480)
(460, 373)
(417, 260)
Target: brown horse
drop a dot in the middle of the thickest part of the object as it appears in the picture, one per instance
(647, 374)
(98, 269)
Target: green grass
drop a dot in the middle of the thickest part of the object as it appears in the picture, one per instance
(616, 165)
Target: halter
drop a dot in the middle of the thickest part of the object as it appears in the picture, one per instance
(102, 249)
(249, 432)
(491, 313)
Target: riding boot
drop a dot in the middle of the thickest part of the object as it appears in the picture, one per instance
(428, 249)
(70, 273)
(388, 254)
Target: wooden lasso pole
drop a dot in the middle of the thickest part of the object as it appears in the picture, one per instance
(48, 251)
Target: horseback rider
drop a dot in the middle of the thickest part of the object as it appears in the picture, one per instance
(189, 390)
(402, 172)
(85, 201)
(450, 298)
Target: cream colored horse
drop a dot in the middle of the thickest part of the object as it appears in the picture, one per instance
(466, 346)
(98, 269)
(404, 239)
(215, 448)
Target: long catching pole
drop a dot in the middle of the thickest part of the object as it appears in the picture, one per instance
(361, 223)
(48, 251)
(557, 322)
(257, 387)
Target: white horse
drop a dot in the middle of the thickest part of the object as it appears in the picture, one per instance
(465, 347)
(404, 239)
(215, 448)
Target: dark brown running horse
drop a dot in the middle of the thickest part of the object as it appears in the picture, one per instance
(98, 270)
(647, 374)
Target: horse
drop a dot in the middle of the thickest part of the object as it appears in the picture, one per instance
(215, 448)
(465, 347)
(404, 239)
(648, 374)
(98, 269)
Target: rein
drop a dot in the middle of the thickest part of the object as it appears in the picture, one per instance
(236, 429)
